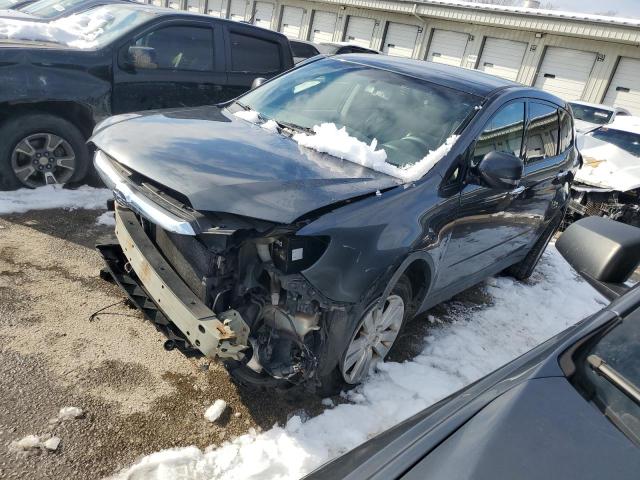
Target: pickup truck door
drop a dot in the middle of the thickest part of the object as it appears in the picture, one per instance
(185, 67)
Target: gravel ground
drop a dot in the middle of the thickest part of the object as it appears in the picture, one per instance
(138, 398)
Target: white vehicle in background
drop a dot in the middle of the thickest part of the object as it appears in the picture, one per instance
(592, 115)
(608, 184)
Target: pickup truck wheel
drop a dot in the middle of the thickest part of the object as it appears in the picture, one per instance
(41, 149)
(372, 340)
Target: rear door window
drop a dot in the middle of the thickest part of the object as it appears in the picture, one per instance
(253, 54)
(542, 132)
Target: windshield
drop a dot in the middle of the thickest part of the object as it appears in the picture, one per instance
(50, 8)
(627, 141)
(406, 117)
(599, 116)
(619, 349)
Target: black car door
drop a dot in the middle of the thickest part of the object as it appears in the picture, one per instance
(183, 66)
(548, 161)
(251, 55)
(491, 224)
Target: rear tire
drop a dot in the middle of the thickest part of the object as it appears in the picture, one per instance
(524, 268)
(33, 128)
(339, 378)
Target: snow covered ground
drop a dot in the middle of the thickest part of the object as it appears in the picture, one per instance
(53, 196)
(457, 352)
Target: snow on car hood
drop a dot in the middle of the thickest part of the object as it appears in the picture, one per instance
(79, 30)
(608, 166)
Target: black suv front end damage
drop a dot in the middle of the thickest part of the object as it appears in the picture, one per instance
(220, 285)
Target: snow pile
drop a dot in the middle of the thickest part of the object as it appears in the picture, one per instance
(254, 117)
(214, 411)
(106, 218)
(79, 30)
(53, 196)
(520, 317)
(337, 142)
(69, 413)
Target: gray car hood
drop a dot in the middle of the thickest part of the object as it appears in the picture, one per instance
(222, 163)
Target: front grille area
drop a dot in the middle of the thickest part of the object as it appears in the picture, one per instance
(189, 258)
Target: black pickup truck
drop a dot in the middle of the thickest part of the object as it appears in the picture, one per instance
(59, 82)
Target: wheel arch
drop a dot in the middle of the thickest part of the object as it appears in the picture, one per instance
(74, 112)
(419, 268)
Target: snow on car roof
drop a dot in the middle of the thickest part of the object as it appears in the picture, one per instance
(626, 124)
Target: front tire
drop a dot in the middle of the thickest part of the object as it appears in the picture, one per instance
(40, 149)
(372, 341)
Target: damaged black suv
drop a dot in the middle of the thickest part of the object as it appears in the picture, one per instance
(294, 231)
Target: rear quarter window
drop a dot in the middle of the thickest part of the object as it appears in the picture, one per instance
(254, 54)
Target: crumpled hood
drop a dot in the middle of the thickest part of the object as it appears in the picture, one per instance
(607, 166)
(222, 163)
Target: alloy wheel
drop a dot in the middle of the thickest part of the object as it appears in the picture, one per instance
(373, 339)
(43, 159)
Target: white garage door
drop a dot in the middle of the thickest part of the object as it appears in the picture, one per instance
(502, 58)
(157, 3)
(564, 72)
(323, 26)
(216, 8)
(194, 5)
(447, 47)
(237, 9)
(400, 39)
(263, 14)
(291, 21)
(360, 31)
(624, 90)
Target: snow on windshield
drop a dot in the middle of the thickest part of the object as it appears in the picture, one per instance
(80, 30)
(254, 117)
(329, 139)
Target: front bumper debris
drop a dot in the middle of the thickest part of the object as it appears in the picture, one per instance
(224, 336)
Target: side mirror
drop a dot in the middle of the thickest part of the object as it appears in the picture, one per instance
(604, 252)
(141, 58)
(501, 170)
(257, 82)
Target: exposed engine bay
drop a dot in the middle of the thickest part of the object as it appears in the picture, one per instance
(588, 201)
(250, 274)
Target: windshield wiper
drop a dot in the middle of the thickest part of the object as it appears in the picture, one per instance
(614, 378)
(293, 126)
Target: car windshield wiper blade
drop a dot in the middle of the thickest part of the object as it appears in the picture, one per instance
(293, 126)
(614, 378)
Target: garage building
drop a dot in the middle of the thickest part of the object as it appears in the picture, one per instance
(576, 56)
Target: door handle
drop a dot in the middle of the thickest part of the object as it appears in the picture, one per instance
(517, 191)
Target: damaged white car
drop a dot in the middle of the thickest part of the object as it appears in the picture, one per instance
(608, 184)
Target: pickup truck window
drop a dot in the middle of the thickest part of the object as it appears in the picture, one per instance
(254, 55)
(180, 48)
